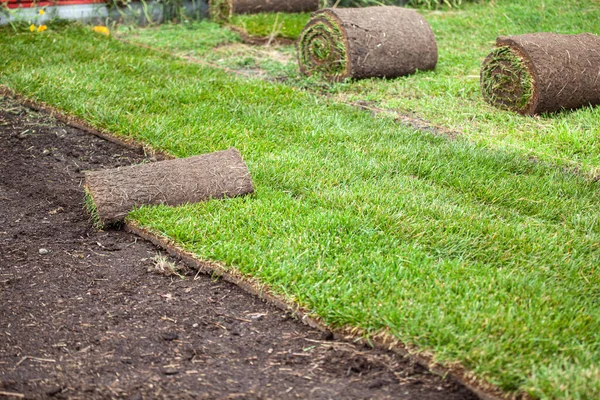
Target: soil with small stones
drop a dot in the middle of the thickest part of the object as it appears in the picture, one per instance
(83, 316)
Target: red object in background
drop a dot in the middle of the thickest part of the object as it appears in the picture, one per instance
(30, 3)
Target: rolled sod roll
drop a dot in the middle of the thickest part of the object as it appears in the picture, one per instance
(542, 72)
(222, 10)
(366, 42)
(115, 192)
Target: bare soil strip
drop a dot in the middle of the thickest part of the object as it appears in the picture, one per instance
(82, 317)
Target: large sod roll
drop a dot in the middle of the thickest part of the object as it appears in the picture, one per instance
(117, 191)
(222, 10)
(366, 42)
(542, 72)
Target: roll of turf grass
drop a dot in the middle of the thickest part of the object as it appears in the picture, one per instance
(222, 10)
(366, 42)
(542, 72)
(112, 193)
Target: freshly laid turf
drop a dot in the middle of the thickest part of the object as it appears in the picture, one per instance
(451, 96)
(482, 257)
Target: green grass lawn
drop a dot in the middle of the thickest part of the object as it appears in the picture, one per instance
(285, 25)
(476, 254)
(450, 96)
(197, 38)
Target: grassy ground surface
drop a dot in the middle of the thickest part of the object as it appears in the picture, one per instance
(478, 255)
(272, 24)
(450, 96)
(192, 38)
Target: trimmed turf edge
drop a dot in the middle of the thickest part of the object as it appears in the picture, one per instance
(78, 123)
(382, 340)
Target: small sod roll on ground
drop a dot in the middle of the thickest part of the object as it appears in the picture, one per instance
(115, 192)
(366, 42)
(542, 72)
(222, 10)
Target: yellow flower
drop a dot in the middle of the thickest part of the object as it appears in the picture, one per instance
(102, 29)
(32, 27)
(42, 12)
(41, 28)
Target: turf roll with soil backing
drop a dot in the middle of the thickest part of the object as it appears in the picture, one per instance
(542, 72)
(222, 10)
(384, 41)
(115, 192)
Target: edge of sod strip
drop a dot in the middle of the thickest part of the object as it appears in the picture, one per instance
(222, 10)
(507, 81)
(382, 340)
(322, 47)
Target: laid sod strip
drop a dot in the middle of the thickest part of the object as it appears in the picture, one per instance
(115, 192)
(366, 42)
(479, 257)
(223, 10)
(543, 72)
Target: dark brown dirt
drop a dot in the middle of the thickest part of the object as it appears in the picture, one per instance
(84, 318)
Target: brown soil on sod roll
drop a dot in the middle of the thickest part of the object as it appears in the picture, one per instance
(173, 182)
(366, 42)
(222, 10)
(543, 72)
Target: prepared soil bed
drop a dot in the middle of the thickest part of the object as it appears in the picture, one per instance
(86, 315)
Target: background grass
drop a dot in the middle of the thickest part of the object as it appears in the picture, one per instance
(450, 95)
(191, 38)
(478, 255)
(285, 25)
